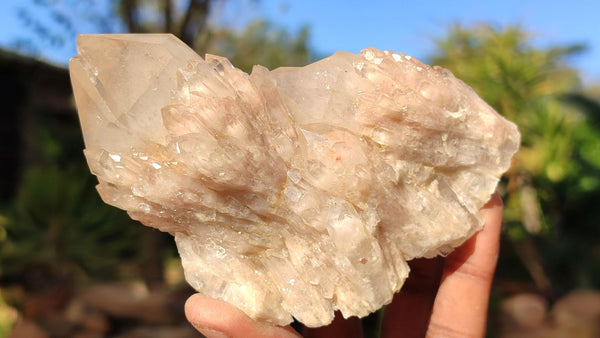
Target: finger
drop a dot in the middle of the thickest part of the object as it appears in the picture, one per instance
(217, 319)
(340, 327)
(410, 310)
(460, 308)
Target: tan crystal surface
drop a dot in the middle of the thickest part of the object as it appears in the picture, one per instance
(295, 192)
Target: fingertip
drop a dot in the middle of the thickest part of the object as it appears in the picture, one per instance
(215, 319)
(190, 303)
(495, 202)
(198, 311)
(462, 299)
(491, 213)
(197, 308)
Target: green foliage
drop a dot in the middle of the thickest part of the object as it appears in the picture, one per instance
(551, 192)
(260, 43)
(8, 317)
(556, 174)
(57, 220)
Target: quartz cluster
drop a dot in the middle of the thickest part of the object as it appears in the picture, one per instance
(294, 192)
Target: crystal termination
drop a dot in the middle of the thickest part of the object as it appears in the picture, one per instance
(293, 192)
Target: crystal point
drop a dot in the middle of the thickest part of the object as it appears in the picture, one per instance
(294, 192)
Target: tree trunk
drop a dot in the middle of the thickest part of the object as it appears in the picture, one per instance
(194, 20)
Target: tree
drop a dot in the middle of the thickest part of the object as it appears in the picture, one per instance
(557, 170)
(61, 216)
(190, 20)
(62, 19)
(260, 43)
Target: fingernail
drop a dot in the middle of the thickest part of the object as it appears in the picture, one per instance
(211, 333)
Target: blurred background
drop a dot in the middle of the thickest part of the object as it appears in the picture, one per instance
(71, 266)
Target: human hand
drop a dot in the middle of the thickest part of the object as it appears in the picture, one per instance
(442, 297)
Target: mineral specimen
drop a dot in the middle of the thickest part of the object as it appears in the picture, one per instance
(293, 192)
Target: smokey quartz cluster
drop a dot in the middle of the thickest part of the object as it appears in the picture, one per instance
(292, 192)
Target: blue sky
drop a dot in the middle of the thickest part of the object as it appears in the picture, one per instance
(405, 26)
(410, 26)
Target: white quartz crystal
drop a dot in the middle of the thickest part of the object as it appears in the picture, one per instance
(293, 192)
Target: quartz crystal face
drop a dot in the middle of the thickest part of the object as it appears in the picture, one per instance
(294, 192)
